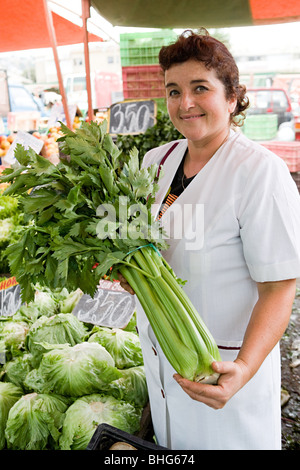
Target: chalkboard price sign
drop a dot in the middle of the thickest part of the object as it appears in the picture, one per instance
(111, 306)
(131, 117)
(10, 297)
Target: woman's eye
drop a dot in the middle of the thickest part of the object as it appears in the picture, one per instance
(201, 88)
(173, 92)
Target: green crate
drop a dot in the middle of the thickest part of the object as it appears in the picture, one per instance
(143, 48)
(261, 127)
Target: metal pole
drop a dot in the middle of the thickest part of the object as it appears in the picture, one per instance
(85, 7)
(52, 36)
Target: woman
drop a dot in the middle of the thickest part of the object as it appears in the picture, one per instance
(241, 262)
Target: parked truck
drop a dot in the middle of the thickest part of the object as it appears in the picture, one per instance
(106, 89)
(19, 109)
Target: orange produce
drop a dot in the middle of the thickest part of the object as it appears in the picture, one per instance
(5, 144)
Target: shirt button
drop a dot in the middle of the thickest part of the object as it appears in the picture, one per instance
(162, 393)
(154, 351)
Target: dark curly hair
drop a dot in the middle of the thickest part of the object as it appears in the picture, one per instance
(215, 55)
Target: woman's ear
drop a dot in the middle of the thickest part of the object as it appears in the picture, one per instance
(232, 102)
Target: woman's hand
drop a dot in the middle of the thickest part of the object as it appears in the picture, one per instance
(233, 376)
(125, 284)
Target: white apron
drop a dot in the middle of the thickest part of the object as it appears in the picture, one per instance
(237, 223)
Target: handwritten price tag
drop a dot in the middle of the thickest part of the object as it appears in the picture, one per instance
(131, 117)
(10, 297)
(111, 306)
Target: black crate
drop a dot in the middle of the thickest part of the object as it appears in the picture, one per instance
(105, 436)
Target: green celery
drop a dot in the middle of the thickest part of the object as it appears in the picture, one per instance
(173, 312)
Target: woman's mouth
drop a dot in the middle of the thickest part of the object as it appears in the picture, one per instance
(190, 117)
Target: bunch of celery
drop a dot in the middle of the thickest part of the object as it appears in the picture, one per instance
(90, 216)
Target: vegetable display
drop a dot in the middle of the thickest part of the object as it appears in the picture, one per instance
(124, 346)
(56, 386)
(34, 420)
(11, 219)
(63, 328)
(77, 370)
(9, 395)
(90, 216)
(87, 411)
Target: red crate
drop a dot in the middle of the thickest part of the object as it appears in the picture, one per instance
(143, 81)
(288, 151)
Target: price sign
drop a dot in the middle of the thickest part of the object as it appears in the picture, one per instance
(111, 306)
(131, 117)
(10, 297)
(26, 140)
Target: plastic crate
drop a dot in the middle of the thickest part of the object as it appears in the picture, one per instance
(143, 81)
(105, 436)
(261, 126)
(288, 151)
(143, 48)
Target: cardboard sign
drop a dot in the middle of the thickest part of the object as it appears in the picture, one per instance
(10, 297)
(111, 306)
(26, 140)
(131, 117)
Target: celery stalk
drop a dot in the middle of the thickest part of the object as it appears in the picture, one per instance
(182, 335)
(183, 359)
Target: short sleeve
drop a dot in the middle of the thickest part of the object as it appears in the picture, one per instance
(269, 218)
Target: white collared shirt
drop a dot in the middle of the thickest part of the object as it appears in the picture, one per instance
(249, 208)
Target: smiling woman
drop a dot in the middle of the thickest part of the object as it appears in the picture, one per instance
(203, 94)
(240, 278)
(198, 108)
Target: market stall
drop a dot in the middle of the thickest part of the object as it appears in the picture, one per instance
(39, 27)
(60, 364)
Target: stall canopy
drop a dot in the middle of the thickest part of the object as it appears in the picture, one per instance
(31, 25)
(197, 13)
(23, 26)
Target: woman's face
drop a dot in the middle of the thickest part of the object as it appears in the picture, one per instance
(196, 102)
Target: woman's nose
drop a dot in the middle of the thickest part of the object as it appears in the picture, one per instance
(187, 101)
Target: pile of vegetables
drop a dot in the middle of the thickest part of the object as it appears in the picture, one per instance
(60, 378)
(91, 217)
(11, 219)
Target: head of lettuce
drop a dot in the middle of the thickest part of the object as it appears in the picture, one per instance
(9, 395)
(34, 422)
(75, 371)
(86, 413)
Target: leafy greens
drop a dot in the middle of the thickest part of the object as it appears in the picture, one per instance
(67, 204)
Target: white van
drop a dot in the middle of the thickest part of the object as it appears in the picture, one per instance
(106, 89)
